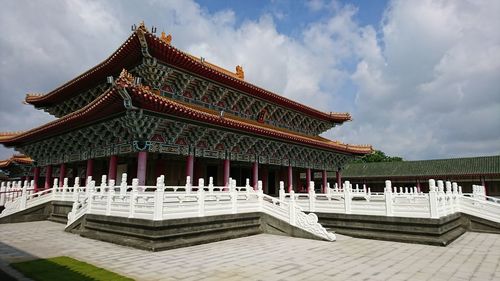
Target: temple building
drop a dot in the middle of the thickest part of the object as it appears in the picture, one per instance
(17, 167)
(468, 171)
(152, 109)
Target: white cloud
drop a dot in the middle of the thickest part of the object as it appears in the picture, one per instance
(427, 81)
(437, 92)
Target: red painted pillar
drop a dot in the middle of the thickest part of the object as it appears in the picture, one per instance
(142, 161)
(36, 178)
(113, 162)
(190, 167)
(227, 168)
(48, 176)
(308, 178)
(255, 174)
(324, 180)
(62, 174)
(90, 170)
(290, 181)
(339, 178)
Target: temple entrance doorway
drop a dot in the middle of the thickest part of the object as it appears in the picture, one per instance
(212, 172)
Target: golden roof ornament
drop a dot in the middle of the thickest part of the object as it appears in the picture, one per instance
(166, 38)
(239, 72)
(125, 79)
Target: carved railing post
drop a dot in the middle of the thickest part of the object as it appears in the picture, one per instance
(388, 199)
(89, 179)
(210, 184)
(64, 188)
(228, 187)
(159, 194)
(247, 186)
(312, 197)
(188, 184)
(201, 198)
(449, 198)
(260, 195)
(76, 189)
(234, 196)
(55, 186)
(103, 184)
(291, 210)
(433, 202)
(282, 191)
(90, 189)
(123, 185)
(24, 196)
(109, 200)
(3, 189)
(347, 197)
(133, 197)
(456, 197)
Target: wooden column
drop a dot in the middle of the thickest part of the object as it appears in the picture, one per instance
(324, 180)
(113, 162)
(190, 167)
(339, 178)
(308, 179)
(89, 170)
(290, 179)
(142, 161)
(48, 176)
(62, 174)
(255, 174)
(227, 169)
(36, 178)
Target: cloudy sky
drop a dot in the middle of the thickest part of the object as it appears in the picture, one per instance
(420, 78)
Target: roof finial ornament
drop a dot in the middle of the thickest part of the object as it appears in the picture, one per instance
(239, 72)
(166, 38)
(124, 78)
(142, 26)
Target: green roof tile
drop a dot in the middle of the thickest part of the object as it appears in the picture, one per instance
(456, 166)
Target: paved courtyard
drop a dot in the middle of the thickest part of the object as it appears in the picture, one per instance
(473, 256)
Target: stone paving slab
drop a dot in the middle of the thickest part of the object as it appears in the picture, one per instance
(473, 256)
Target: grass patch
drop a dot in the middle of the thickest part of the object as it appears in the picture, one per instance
(64, 268)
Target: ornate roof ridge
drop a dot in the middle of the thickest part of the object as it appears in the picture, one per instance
(295, 136)
(164, 105)
(34, 97)
(18, 158)
(223, 73)
(329, 115)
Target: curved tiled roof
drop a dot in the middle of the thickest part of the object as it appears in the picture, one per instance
(142, 97)
(484, 165)
(173, 56)
(129, 54)
(18, 158)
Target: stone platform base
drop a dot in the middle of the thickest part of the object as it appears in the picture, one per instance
(56, 211)
(439, 232)
(176, 233)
